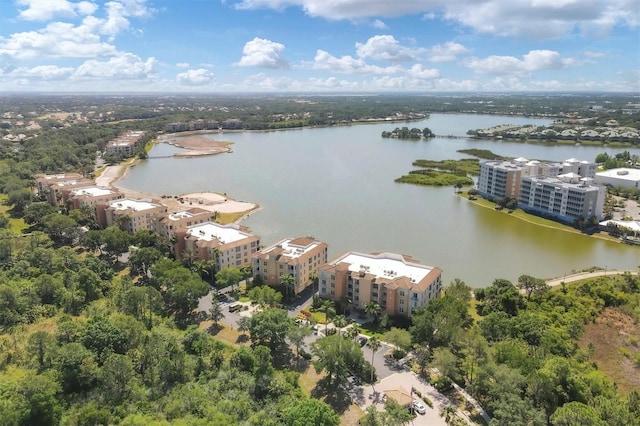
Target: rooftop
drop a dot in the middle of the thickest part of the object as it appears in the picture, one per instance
(622, 173)
(210, 231)
(93, 191)
(293, 248)
(135, 205)
(384, 265)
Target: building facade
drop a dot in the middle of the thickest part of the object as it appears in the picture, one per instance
(125, 145)
(229, 245)
(96, 199)
(399, 284)
(629, 178)
(173, 222)
(566, 197)
(298, 257)
(57, 188)
(134, 215)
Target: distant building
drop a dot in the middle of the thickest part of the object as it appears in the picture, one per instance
(134, 215)
(299, 257)
(566, 197)
(399, 284)
(96, 199)
(125, 145)
(629, 178)
(229, 245)
(56, 188)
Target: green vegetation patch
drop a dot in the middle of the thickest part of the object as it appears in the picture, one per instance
(483, 153)
(443, 173)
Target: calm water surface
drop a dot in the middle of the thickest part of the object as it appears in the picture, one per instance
(337, 184)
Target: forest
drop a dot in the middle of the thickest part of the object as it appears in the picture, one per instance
(87, 338)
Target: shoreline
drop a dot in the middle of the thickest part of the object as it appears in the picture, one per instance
(211, 201)
(557, 228)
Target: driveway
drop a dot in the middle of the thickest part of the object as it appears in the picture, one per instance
(368, 395)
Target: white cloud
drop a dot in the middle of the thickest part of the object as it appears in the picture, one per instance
(538, 18)
(125, 66)
(419, 72)
(347, 65)
(42, 72)
(535, 60)
(198, 77)
(386, 48)
(446, 52)
(39, 10)
(264, 54)
(182, 65)
(378, 24)
(58, 39)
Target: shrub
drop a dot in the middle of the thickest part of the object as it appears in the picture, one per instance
(427, 401)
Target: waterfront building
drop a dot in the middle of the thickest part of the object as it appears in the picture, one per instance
(500, 179)
(125, 145)
(399, 284)
(96, 199)
(629, 178)
(57, 188)
(298, 257)
(229, 245)
(172, 222)
(134, 215)
(583, 168)
(566, 197)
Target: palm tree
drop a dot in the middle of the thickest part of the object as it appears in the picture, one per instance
(374, 309)
(329, 311)
(353, 332)
(340, 321)
(374, 344)
(313, 276)
(288, 281)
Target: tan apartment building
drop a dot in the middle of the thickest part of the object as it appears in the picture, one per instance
(96, 199)
(182, 219)
(298, 257)
(399, 284)
(57, 188)
(134, 215)
(230, 245)
(124, 145)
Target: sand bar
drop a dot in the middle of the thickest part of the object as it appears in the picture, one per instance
(197, 145)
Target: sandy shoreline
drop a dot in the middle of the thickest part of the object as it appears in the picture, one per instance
(210, 201)
(196, 146)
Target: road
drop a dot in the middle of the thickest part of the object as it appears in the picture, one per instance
(586, 275)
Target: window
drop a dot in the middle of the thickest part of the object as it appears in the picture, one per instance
(402, 301)
(401, 293)
(401, 309)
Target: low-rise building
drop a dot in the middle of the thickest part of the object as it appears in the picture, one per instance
(299, 257)
(229, 245)
(125, 145)
(629, 178)
(96, 199)
(399, 284)
(175, 221)
(134, 215)
(57, 188)
(566, 197)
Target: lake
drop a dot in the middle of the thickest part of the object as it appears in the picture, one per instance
(337, 184)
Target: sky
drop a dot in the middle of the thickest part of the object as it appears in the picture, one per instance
(319, 46)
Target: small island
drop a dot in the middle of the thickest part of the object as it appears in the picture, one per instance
(406, 133)
(456, 173)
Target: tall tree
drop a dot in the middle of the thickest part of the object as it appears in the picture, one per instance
(374, 344)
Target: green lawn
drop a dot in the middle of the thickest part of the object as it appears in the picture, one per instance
(17, 224)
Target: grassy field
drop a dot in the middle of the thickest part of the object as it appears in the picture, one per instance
(615, 337)
(17, 224)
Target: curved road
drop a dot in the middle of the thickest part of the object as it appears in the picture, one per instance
(586, 275)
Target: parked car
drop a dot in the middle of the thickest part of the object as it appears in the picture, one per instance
(362, 340)
(418, 407)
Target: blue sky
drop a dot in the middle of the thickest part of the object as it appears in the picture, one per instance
(319, 45)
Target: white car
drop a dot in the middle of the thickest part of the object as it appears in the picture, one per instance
(418, 407)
